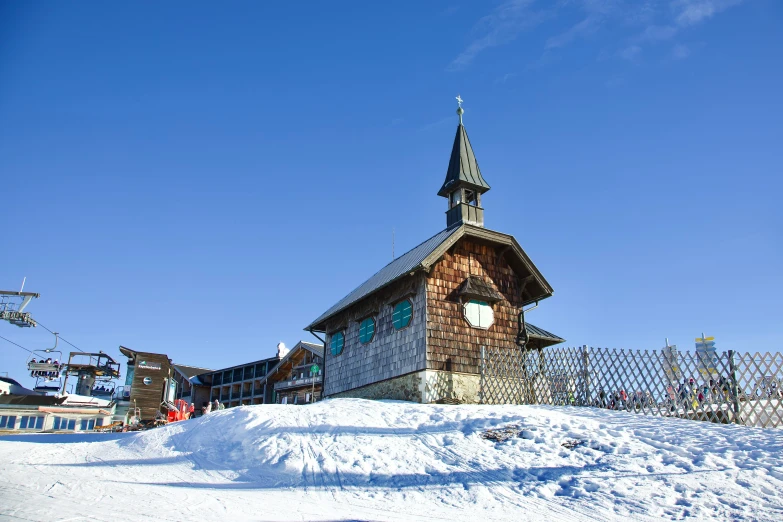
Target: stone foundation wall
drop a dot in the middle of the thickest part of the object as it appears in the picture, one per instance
(425, 386)
(451, 387)
(403, 388)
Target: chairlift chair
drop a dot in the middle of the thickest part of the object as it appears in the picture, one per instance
(103, 388)
(12, 305)
(47, 374)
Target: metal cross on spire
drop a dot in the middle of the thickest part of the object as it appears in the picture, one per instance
(460, 110)
(459, 100)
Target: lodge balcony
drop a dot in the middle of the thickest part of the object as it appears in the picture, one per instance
(296, 383)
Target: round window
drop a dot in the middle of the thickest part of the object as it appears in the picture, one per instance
(147, 380)
(403, 311)
(479, 314)
(337, 343)
(367, 330)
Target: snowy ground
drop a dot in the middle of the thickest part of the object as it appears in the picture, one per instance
(361, 460)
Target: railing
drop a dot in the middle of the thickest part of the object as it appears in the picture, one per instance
(298, 382)
(727, 387)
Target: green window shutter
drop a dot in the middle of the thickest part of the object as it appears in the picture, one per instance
(337, 343)
(403, 311)
(367, 330)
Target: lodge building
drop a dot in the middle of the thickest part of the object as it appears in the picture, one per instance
(241, 385)
(298, 377)
(414, 330)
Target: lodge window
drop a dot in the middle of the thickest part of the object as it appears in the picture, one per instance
(367, 330)
(31, 423)
(401, 317)
(61, 423)
(87, 424)
(7, 421)
(479, 314)
(337, 343)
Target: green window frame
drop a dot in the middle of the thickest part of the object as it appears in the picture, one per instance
(337, 343)
(402, 315)
(366, 330)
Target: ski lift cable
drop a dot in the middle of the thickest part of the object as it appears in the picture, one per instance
(19, 345)
(58, 335)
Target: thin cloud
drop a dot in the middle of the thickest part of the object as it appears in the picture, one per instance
(645, 22)
(681, 52)
(506, 77)
(691, 12)
(586, 27)
(685, 13)
(499, 27)
(631, 53)
(434, 124)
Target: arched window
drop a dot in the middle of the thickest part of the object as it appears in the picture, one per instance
(479, 314)
(403, 311)
(367, 330)
(337, 343)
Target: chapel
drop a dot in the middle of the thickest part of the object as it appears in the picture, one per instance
(415, 330)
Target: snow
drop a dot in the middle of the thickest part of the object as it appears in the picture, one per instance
(350, 459)
(84, 400)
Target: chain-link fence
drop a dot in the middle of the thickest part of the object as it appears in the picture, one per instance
(727, 387)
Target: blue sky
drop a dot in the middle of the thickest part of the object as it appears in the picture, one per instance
(204, 179)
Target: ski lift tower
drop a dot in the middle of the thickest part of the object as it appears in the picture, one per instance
(12, 305)
(93, 372)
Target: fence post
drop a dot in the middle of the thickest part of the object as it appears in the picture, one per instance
(586, 374)
(482, 377)
(734, 387)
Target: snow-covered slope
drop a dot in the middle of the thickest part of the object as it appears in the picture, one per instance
(361, 460)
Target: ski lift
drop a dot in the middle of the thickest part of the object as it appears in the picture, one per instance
(103, 389)
(46, 367)
(94, 372)
(12, 305)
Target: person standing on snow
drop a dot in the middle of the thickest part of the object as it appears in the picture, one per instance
(216, 405)
(192, 411)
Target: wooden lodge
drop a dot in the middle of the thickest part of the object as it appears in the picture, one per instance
(298, 376)
(415, 329)
(147, 382)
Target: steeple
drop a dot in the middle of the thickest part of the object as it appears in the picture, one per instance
(464, 183)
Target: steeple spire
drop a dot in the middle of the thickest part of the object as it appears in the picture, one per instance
(464, 183)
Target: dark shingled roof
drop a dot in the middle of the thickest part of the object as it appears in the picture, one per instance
(545, 338)
(463, 167)
(427, 253)
(476, 287)
(317, 349)
(190, 371)
(402, 265)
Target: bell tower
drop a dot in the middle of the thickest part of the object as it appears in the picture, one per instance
(464, 183)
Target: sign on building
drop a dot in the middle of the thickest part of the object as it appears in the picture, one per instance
(149, 365)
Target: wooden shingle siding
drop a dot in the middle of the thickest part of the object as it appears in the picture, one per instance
(391, 353)
(452, 344)
(147, 397)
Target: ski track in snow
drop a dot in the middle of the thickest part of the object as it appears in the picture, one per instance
(350, 459)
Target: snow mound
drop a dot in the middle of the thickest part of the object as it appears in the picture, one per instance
(350, 458)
